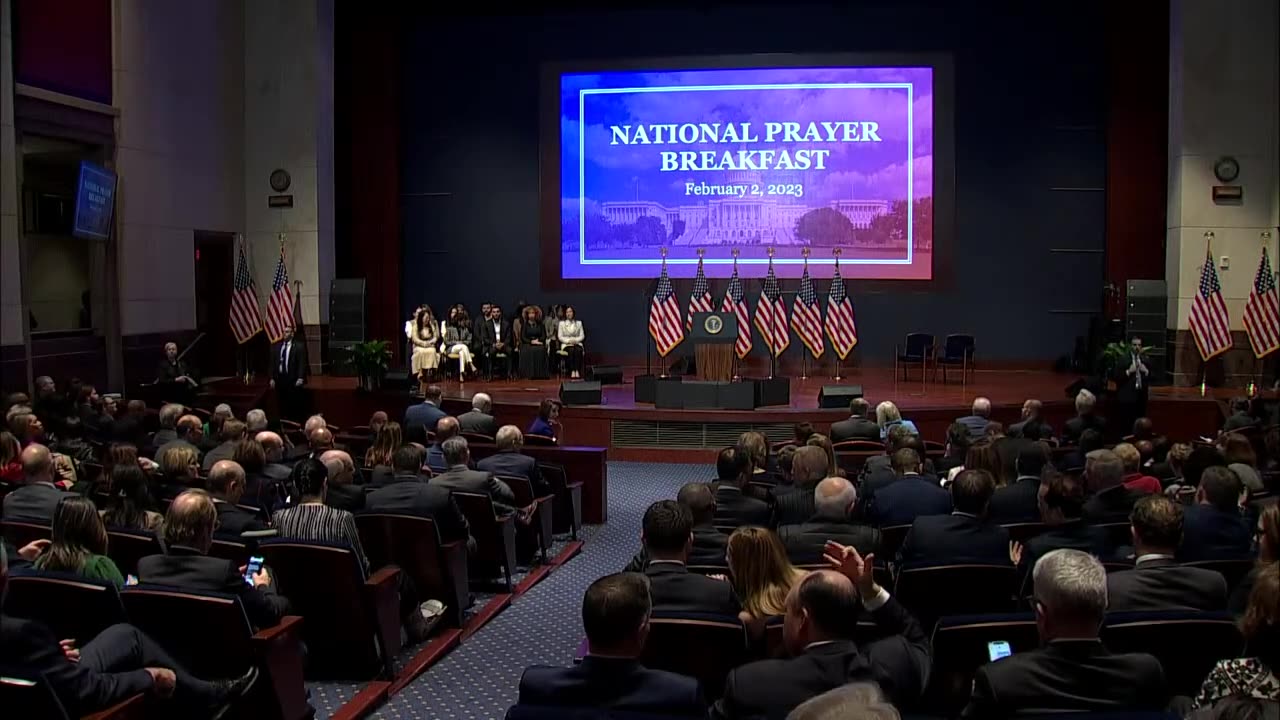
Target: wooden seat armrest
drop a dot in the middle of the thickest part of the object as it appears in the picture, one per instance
(278, 652)
(382, 602)
(453, 557)
(131, 707)
(544, 499)
(388, 575)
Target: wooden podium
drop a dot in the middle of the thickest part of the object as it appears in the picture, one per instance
(713, 336)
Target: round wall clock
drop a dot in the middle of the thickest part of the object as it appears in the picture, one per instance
(280, 180)
(1226, 169)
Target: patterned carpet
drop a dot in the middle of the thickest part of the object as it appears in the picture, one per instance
(479, 680)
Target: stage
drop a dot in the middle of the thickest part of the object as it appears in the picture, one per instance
(634, 431)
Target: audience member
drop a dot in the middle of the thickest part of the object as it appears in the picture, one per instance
(1157, 581)
(1073, 671)
(265, 484)
(1085, 419)
(727, 465)
(446, 428)
(982, 455)
(38, 497)
(1110, 501)
(425, 414)
(340, 492)
(976, 421)
(801, 432)
(783, 462)
(386, 441)
(547, 423)
(79, 544)
(910, 496)
(1061, 501)
(226, 486)
(188, 533)
(479, 419)
(957, 448)
(734, 507)
(1213, 528)
(857, 426)
(1240, 417)
(1239, 455)
(311, 519)
(10, 458)
(1268, 534)
(1131, 463)
(319, 441)
(113, 666)
(1169, 471)
(794, 503)
(131, 427)
(231, 435)
(878, 471)
(510, 462)
(819, 440)
(1032, 425)
(179, 470)
(460, 478)
(855, 701)
(1254, 676)
(756, 447)
(615, 615)
(255, 421)
(887, 416)
(821, 612)
(130, 505)
(708, 543)
(273, 445)
(168, 417)
(376, 422)
(834, 500)
(668, 538)
(761, 574)
(408, 493)
(966, 535)
(1018, 502)
(27, 427)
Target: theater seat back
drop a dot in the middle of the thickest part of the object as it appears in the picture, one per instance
(72, 606)
(1187, 644)
(702, 646)
(207, 632)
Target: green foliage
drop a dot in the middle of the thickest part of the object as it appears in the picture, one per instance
(824, 227)
(371, 358)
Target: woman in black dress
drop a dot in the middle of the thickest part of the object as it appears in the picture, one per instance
(533, 344)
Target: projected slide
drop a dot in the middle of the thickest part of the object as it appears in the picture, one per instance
(747, 159)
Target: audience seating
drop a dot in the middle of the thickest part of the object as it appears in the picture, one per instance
(1186, 643)
(933, 591)
(566, 516)
(72, 606)
(542, 522)
(233, 549)
(210, 635)
(22, 533)
(126, 547)
(957, 351)
(495, 536)
(352, 622)
(539, 440)
(1118, 533)
(1233, 571)
(548, 712)
(438, 570)
(1022, 532)
(703, 646)
(33, 699)
(960, 648)
(891, 538)
(475, 437)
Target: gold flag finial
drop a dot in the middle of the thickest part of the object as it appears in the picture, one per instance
(836, 252)
(701, 252)
(664, 251)
(736, 252)
(771, 251)
(805, 253)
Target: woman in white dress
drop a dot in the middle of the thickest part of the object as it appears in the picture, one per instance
(571, 336)
(424, 338)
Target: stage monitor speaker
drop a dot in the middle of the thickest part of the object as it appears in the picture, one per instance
(585, 392)
(606, 374)
(838, 396)
(346, 323)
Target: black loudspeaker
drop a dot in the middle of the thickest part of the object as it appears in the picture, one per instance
(1145, 316)
(346, 323)
(838, 396)
(606, 374)
(397, 379)
(586, 392)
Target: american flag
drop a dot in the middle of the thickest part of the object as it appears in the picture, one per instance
(840, 326)
(280, 306)
(700, 300)
(1210, 325)
(735, 301)
(771, 314)
(245, 318)
(806, 316)
(664, 315)
(1262, 311)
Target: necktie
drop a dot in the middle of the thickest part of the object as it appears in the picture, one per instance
(284, 358)
(1137, 375)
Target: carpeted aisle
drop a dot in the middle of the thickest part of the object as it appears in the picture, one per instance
(479, 680)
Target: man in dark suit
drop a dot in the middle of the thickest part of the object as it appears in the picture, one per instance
(1019, 501)
(821, 613)
(1032, 426)
(956, 450)
(1061, 500)
(615, 615)
(188, 532)
(834, 500)
(495, 338)
(966, 535)
(231, 435)
(226, 485)
(38, 497)
(1157, 581)
(1085, 419)
(667, 538)
(734, 506)
(910, 496)
(879, 472)
(341, 492)
(107, 669)
(409, 493)
(977, 419)
(857, 427)
(793, 503)
(447, 427)
(425, 414)
(1111, 501)
(1240, 417)
(708, 543)
(461, 478)
(190, 431)
(1072, 671)
(289, 372)
(1213, 528)
(479, 419)
(510, 462)
(1132, 378)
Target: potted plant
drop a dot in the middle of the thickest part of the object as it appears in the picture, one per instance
(1113, 359)
(370, 360)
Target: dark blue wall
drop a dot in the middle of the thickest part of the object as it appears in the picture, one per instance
(1030, 159)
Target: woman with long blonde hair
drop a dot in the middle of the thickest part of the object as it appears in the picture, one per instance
(424, 336)
(760, 572)
(385, 444)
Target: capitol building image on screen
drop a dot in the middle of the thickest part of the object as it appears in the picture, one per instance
(761, 219)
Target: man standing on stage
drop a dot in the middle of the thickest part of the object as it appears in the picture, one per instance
(289, 370)
(1131, 388)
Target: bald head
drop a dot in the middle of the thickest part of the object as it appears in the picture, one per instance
(226, 480)
(315, 422)
(321, 439)
(808, 466)
(190, 520)
(446, 428)
(189, 426)
(37, 463)
(833, 498)
(822, 606)
(981, 407)
(272, 443)
(339, 467)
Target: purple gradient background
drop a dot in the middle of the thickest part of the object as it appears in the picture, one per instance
(855, 170)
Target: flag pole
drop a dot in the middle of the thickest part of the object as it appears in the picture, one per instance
(1208, 253)
(773, 326)
(837, 378)
(662, 359)
(737, 360)
(804, 356)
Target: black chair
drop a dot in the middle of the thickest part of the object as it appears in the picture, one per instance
(960, 647)
(891, 538)
(1234, 571)
(126, 546)
(1022, 532)
(916, 348)
(934, 591)
(1187, 644)
(706, 647)
(495, 536)
(438, 570)
(31, 698)
(957, 351)
(234, 549)
(210, 635)
(1117, 532)
(542, 524)
(72, 606)
(475, 437)
(567, 514)
(352, 622)
(22, 533)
